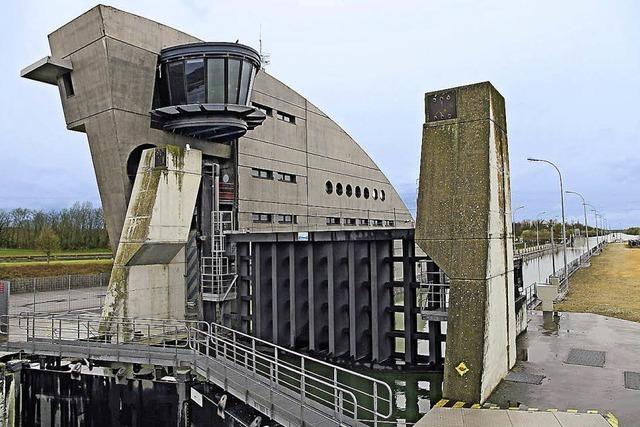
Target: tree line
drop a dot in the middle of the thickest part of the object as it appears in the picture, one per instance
(78, 227)
(526, 230)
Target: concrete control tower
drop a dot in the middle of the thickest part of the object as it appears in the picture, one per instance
(233, 201)
(191, 142)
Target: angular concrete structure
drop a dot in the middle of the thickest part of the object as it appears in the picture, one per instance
(270, 160)
(464, 224)
(149, 265)
(105, 64)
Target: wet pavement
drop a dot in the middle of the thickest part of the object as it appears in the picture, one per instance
(544, 349)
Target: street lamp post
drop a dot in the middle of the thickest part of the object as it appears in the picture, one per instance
(586, 226)
(595, 219)
(513, 225)
(553, 250)
(537, 225)
(564, 231)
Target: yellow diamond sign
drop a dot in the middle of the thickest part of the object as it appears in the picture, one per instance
(462, 369)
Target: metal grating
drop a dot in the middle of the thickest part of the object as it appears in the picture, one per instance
(524, 377)
(579, 356)
(632, 380)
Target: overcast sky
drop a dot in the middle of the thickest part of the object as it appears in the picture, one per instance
(569, 70)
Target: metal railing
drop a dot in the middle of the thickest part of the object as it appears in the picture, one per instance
(315, 381)
(218, 273)
(292, 383)
(58, 283)
(574, 266)
(433, 290)
(58, 294)
(534, 248)
(434, 296)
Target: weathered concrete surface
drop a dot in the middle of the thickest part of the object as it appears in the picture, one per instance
(545, 346)
(464, 223)
(463, 417)
(147, 279)
(114, 56)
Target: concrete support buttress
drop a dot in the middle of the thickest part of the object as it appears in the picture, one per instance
(464, 225)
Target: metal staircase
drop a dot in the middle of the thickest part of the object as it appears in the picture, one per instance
(291, 388)
(218, 272)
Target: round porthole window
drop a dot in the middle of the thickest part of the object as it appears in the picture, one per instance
(328, 187)
(375, 194)
(366, 192)
(358, 191)
(382, 195)
(349, 190)
(339, 189)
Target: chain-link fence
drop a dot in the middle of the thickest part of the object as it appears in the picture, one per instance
(82, 293)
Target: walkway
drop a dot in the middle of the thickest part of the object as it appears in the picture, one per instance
(568, 381)
(290, 388)
(463, 417)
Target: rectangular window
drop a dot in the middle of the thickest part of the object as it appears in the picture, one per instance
(215, 81)
(261, 217)
(233, 79)
(286, 177)
(287, 219)
(245, 78)
(261, 173)
(286, 117)
(176, 83)
(266, 110)
(349, 221)
(364, 221)
(194, 70)
(69, 91)
(376, 222)
(333, 220)
(390, 223)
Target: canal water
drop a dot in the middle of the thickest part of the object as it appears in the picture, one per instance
(415, 392)
(537, 270)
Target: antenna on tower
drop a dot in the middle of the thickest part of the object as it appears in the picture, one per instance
(265, 58)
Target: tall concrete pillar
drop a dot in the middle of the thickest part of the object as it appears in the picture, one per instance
(464, 224)
(148, 276)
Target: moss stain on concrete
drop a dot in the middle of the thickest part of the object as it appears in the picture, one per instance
(136, 231)
(177, 162)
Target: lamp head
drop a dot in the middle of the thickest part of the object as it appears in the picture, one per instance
(531, 159)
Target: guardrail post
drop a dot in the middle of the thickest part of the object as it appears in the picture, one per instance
(303, 388)
(335, 390)
(235, 346)
(34, 294)
(253, 351)
(375, 404)
(276, 361)
(271, 390)
(60, 338)
(69, 293)
(118, 339)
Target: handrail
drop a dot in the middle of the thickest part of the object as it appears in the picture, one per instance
(378, 383)
(233, 282)
(271, 370)
(315, 380)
